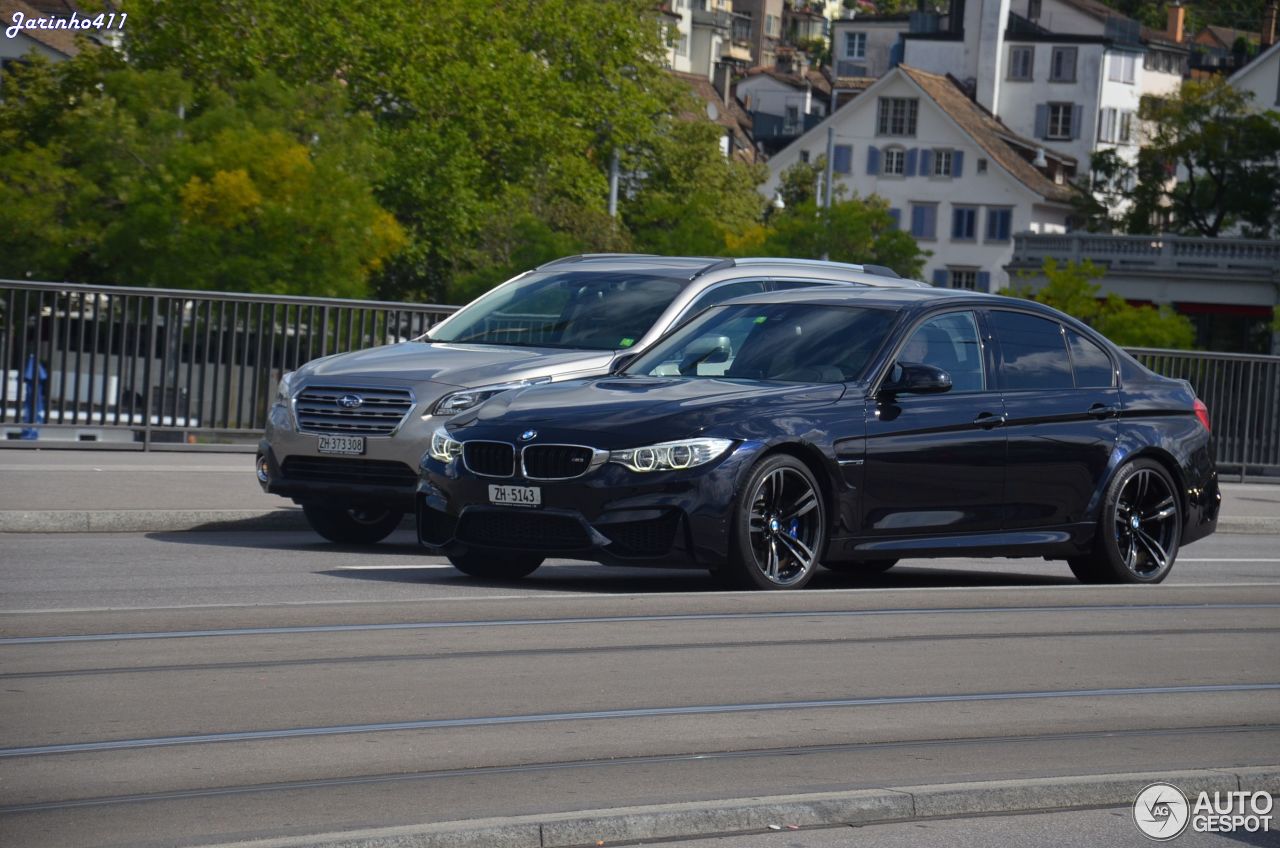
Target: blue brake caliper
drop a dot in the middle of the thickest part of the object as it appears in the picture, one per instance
(795, 528)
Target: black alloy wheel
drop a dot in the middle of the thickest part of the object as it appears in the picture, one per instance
(352, 525)
(1139, 530)
(780, 527)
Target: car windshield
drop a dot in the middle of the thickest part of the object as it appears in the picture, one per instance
(582, 310)
(786, 342)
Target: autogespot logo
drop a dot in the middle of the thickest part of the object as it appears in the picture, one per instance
(1161, 812)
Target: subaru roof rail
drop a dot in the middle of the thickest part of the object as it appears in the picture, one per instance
(582, 257)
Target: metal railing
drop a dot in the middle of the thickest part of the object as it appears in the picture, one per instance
(138, 365)
(1257, 257)
(1243, 396)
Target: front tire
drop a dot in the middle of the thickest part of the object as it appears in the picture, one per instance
(779, 527)
(353, 525)
(1139, 530)
(496, 566)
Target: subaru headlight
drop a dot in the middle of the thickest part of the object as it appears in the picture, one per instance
(671, 456)
(443, 446)
(452, 404)
(284, 391)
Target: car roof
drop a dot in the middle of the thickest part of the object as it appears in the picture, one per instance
(692, 267)
(888, 296)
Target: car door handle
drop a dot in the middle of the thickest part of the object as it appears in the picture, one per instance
(1104, 410)
(987, 420)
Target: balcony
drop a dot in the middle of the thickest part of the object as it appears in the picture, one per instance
(1176, 255)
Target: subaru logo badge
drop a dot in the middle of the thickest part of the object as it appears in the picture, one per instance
(351, 401)
(528, 435)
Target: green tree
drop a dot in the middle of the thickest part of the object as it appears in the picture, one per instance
(262, 188)
(1070, 288)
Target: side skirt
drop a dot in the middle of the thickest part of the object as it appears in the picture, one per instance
(1050, 543)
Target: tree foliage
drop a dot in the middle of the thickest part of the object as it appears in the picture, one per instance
(1070, 288)
(268, 188)
(1224, 154)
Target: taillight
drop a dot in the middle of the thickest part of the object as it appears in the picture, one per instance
(1202, 412)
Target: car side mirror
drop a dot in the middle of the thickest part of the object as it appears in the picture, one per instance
(622, 361)
(710, 349)
(915, 378)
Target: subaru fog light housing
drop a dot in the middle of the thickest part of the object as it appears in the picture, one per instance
(671, 456)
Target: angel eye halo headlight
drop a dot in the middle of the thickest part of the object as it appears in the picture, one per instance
(443, 446)
(671, 456)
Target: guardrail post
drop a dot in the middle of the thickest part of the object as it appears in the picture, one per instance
(146, 374)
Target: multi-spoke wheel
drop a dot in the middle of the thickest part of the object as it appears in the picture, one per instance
(779, 527)
(352, 526)
(1138, 533)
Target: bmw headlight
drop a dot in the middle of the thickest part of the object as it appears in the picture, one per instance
(452, 404)
(671, 456)
(443, 446)
(284, 391)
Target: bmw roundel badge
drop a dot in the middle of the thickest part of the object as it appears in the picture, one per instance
(528, 435)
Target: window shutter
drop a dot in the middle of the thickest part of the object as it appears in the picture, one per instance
(930, 221)
(957, 223)
(984, 281)
(940, 277)
(843, 159)
(957, 164)
(926, 162)
(1042, 120)
(896, 215)
(873, 160)
(1077, 118)
(917, 221)
(912, 154)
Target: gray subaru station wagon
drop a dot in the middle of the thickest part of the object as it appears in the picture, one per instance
(346, 432)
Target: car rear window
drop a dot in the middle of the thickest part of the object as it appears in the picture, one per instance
(1032, 352)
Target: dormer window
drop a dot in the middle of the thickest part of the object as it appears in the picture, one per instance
(897, 116)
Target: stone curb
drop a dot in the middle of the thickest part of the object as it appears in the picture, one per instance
(742, 816)
(291, 518)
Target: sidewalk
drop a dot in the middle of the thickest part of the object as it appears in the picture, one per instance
(50, 491)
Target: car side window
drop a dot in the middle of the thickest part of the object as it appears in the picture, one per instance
(1033, 352)
(721, 293)
(949, 342)
(1092, 366)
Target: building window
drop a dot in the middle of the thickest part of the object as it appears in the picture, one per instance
(895, 161)
(1107, 125)
(791, 123)
(999, 223)
(771, 25)
(855, 45)
(1060, 121)
(942, 162)
(1022, 59)
(682, 46)
(1033, 10)
(1124, 134)
(1122, 68)
(924, 220)
(982, 165)
(897, 116)
(964, 223)
(963, 278)
(1063, 66)
(842, 159)
(804, 156)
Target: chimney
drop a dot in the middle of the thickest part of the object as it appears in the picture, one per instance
(1269, 16)
(1177, 22)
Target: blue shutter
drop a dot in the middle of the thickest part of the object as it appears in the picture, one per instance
(957, 222)
(873, 160)
(896, 215)
(912, 155)
(926, 162)
(843, 163)
(1042, 120)
(931, 221)
(940, 277)
(984, 281)
(917, 221)
(1077, 118)
(957, 163)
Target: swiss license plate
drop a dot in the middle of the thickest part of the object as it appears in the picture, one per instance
(346, 445)
(515, 495)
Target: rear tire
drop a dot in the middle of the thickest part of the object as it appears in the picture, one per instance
(496, 566)
(1138, 531)
(352, 525)
(861, 566)
(779, 527)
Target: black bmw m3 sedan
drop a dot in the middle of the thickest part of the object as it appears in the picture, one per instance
(846, 429)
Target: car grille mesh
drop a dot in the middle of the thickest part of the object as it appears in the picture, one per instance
(380, 412)
(556, 462)
(652, 537)
(490, 459)
(518, 529)
(362, 471)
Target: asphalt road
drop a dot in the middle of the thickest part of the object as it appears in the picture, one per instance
(195, 688)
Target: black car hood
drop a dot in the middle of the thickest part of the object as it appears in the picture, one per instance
(615, 412)
(456, 364)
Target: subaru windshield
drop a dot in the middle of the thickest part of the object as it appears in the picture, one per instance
(784, 342)
(576, 309)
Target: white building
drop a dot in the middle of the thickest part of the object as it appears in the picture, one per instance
(1261, 78)
(702, 38)
(863, 46)
(954, 176)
